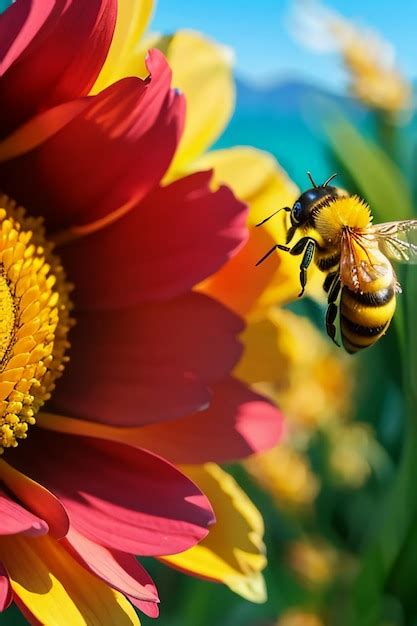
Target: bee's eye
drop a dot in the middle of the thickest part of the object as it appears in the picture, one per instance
(296, 210)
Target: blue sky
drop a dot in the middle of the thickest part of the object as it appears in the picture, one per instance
(258, 33)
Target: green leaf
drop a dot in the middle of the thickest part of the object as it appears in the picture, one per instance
(377, 177)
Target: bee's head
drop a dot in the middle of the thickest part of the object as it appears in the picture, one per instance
(304, 206)
(300, 214)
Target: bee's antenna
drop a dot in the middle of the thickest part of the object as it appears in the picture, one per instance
(312, 180)
(328, 180)
(285, 208)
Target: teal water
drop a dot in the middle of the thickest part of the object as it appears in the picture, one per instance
(295, 146)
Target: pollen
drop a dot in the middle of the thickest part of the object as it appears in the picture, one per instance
(34, 321)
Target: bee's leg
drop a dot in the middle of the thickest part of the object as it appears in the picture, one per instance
(276, 247)
(333, 308)
(328, 281)
(308, 246)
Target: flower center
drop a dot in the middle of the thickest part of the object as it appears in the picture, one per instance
(34, 321)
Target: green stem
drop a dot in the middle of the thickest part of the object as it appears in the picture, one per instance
(387, 134)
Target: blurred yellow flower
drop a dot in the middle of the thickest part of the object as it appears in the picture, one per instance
(370, 61)
(374, 78)
(353, 447)
(314, 562)
(286, 475)
(307, 376)
(299, 617)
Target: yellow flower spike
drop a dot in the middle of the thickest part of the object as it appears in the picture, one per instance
(374, 78)
(56, 589)
(202, 70)
(132, 20)
(370, 61)
(233, 552)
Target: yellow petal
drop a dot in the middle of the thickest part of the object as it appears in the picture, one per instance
(233, 552)
(264, 358)
(133, 17)
(202, 70)
(57, 590)
(254, 176)
(274, 348)
(257, 179)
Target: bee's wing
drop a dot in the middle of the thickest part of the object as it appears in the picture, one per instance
(397, 240)
(359, 265)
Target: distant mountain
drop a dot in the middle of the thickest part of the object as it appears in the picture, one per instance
(289, 95)
(285, 119)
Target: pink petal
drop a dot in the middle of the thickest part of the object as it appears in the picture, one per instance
(18, 26)
(120, 497)
(6, 592)
(36, 499)
(237, 423)
(57, 56)
(120, 570)
(110, 154)
(149, 363)
(175, 238)
(15, 519)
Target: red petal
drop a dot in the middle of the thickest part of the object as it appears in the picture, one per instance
(121, 571)
(37, 499)
(112, 153)
(149, 363)
(175, 238)
(57, 57)
(238, 423)
(15, 519)
(120, 497)
(6, 592)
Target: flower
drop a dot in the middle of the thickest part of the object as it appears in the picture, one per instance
(285, 473)
(314, 562)
(147, 387)
(369, 60)
(354, 450)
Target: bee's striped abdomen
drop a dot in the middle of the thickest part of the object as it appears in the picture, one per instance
(365, 316)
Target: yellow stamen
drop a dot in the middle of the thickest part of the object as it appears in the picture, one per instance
(34, 321)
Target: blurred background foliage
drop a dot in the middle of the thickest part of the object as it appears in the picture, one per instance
(339, 495)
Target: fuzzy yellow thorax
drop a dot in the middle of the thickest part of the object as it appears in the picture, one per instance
(345, 212)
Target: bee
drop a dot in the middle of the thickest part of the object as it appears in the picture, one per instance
(337, 234)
